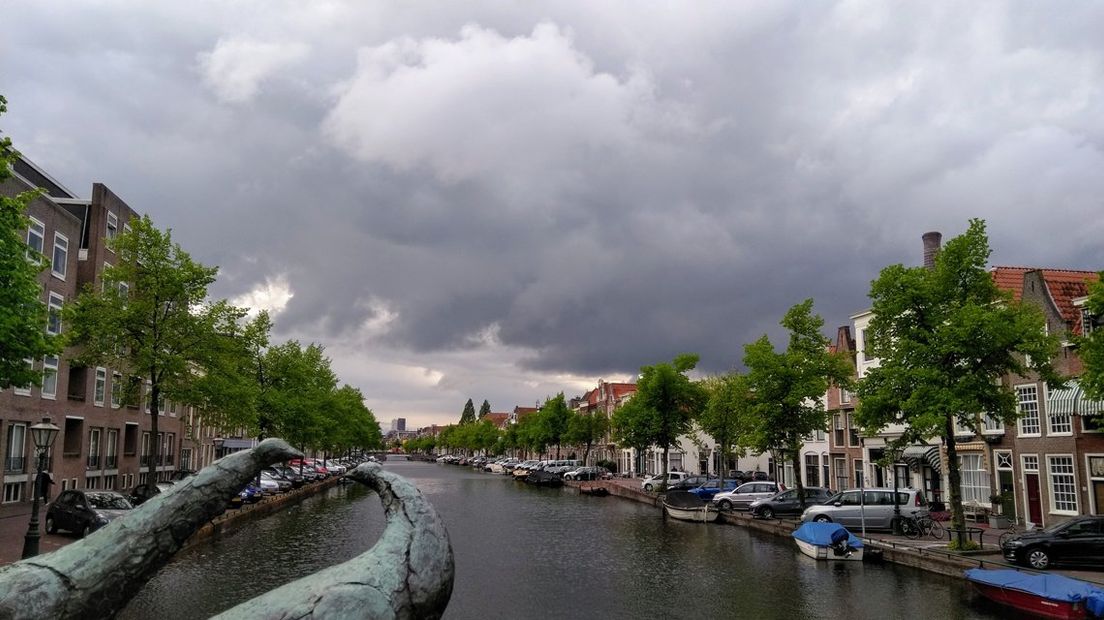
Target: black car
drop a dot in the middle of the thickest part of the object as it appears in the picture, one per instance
(785, 503)
(84, 512)
(1077, 541)
(144, 491)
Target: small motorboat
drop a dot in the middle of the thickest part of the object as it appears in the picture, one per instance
(594, 490)
(544, 479)
(1045, 595)
(686, 506)
(828, 541)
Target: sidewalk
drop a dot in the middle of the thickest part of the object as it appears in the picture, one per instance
(14, 519)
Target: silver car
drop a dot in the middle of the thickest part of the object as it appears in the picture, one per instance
(874, 506)
(742, 496)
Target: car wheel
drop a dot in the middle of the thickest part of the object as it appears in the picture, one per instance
(766, 513)
(86, 531)
(1037, 558)
(51, 527)
(648, 487)
(725, 504)
(823, 519)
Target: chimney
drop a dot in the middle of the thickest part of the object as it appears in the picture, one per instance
(932, 241)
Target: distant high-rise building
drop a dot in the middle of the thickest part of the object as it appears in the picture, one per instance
(398, 424)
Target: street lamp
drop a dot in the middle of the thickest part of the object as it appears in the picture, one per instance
(42, 434)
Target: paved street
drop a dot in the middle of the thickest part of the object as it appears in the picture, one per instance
(13, 528)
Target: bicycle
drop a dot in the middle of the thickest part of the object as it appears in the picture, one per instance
(917, 527)
(1013, 530)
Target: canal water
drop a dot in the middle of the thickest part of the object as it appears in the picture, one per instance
(524, 552)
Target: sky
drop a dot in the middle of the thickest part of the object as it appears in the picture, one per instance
(506, 200)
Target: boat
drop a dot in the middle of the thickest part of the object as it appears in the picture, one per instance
(1045, 595)
(686, 506)
(544, 479)
(828, 541)
(596, 491)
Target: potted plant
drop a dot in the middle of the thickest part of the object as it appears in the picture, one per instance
(996, 518)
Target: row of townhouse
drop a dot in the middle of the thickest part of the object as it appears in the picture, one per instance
(104, 442)
(1046, 468)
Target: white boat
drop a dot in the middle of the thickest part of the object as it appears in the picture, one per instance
(828, 541)
(689, 507)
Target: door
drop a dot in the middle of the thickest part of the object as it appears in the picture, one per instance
(1034, 502)
(1098, 495)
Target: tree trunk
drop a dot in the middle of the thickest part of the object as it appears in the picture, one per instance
(155, 441)
(954, 482)
(796, 451)
(663, 481)
(721, 470)
(586, 453)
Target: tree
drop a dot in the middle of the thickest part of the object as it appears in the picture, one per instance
(1092, 345)
(468, 415)
(151, 319)
(787, 388)
(944, 338)
(23, 315)
(726, 413)
(484, 409)
(669, 401)
(633, 426)
(586, 429)
(553, 417)
(299, 389)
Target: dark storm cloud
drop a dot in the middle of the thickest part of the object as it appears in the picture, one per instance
(580, 191)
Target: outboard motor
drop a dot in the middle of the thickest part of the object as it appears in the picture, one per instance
(839, 544)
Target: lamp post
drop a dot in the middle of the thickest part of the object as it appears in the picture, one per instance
(42, 434)
(218, 441)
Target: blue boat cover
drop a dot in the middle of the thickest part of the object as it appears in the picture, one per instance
(1048, 586)
(825, 534)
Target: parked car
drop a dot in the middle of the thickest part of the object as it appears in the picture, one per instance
(710, 488)
(874, 506)
(274, 483)
(1077, 541)
(590, 472)
(742, 496)
(690, 482)
(84, 512)
(785, 503)
(652, 483)
(143, 492)
(288, 474)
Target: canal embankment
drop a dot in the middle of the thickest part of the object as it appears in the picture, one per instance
(926, 554)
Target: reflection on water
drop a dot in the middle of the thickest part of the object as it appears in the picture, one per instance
(525, 552)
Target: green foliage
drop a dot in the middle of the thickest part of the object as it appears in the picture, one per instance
(424, 445)
(610, 465)
(663, 407)
(788, 387)
(1092, 346)
(296, 392)
(150, 318)
(479, 436)
(468, 415)
(553, 418)
(944, 338)
(484, 409)
(966, 545)
(23, 313)
(727, 412)
(587, 430)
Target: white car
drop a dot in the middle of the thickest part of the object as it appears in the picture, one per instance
(652, 483)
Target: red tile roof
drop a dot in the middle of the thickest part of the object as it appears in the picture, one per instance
(499, 419)
(1063, 286)
(621, 390)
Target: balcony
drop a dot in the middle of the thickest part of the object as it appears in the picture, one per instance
(93, 461)
(14, 464)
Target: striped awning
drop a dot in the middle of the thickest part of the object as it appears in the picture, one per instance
(927, 455)
(1087, 406)
(1063, 401)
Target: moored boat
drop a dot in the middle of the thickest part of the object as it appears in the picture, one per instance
(688, 507)
(1045, 595)
(828, 541)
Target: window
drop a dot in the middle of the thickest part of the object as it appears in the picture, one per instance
(101, 387)
(812, 470)
(13, 492)
(110, 455)
(130, 439)
(36, 237)
(1086, 322)
(837, 429)
(868, 355)
(1031, 463)
(116, 390)
(991, 424)
(146, 396)
(845, 396)
(975, 479)
(49, 376)
(93, 448)
(1063, 485)
(143, 460)
(852, 432)
(14, 449)
(24, 390)
(61, 255)
(1059, 423)
(112, 227)
(827, 471)
(1004, 460)
(1027, 397)
(858, 472)
(53, 316)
